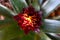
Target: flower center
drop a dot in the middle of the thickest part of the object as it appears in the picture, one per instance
(27, 20)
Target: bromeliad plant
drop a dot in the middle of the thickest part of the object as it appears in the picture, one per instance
(28, 15)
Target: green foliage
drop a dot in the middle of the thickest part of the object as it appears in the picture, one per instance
(18, 5)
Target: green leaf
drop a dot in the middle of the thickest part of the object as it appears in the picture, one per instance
(52, 26)
(6, 12)
(22, 36)
(18, 5)
(35, 4)
(44, 36)
(33, 36)
(9, 29)
(54, 36)
(40, 1)
(41, 36)
(49, 6)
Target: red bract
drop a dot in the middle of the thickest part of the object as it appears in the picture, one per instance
(29, 19)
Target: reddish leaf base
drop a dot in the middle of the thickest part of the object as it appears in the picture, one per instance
(29, 19)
